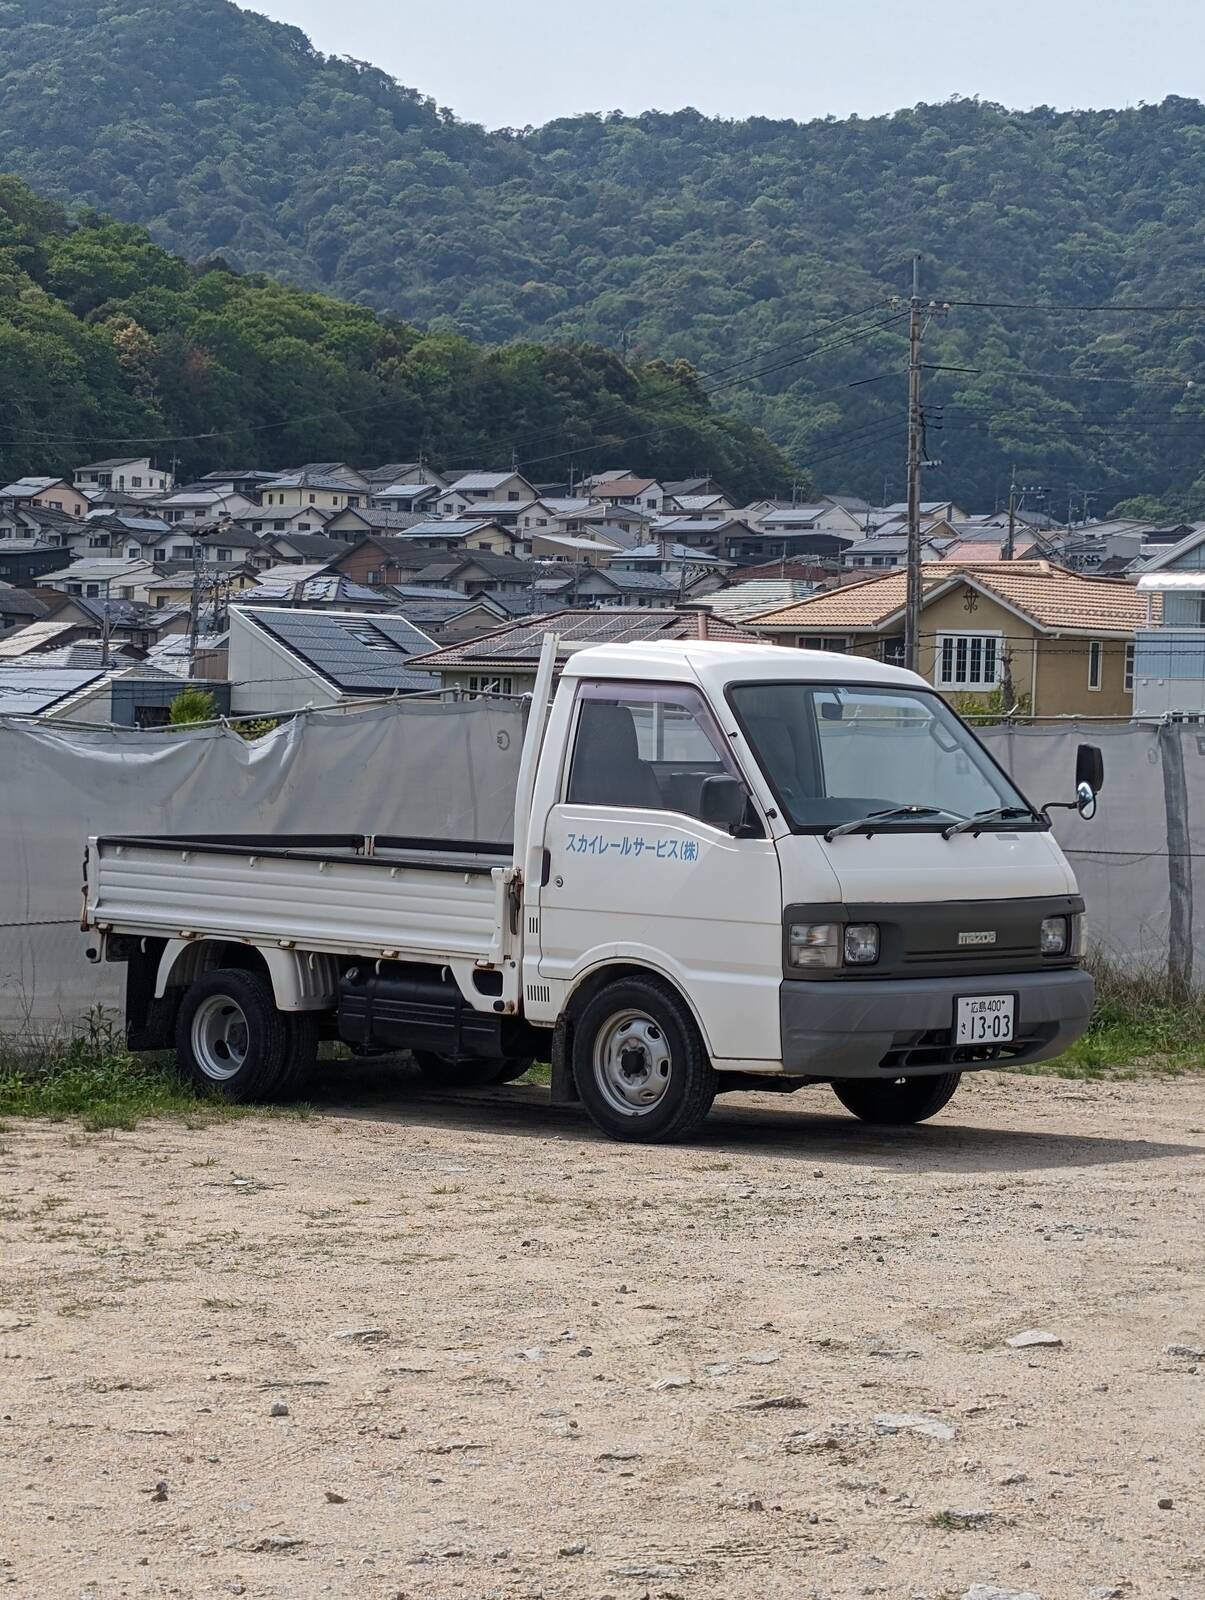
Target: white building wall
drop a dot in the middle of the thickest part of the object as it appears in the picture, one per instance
(266, 678)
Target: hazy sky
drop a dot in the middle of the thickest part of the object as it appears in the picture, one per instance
(524, 61)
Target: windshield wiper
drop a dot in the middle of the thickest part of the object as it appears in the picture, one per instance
(882, 816)
(984, 819)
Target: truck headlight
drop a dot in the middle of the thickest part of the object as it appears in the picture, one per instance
(1056, 936)
(861, 944)
(814, 944)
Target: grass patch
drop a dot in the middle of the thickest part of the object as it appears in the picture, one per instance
(1144, 1025)
(94, 1078)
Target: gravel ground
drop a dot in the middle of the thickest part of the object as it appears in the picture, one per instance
(461, 1346)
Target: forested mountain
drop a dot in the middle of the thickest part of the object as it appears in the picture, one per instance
(728, 244)
(107, 341)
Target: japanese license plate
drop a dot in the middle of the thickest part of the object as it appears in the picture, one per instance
(984, 1019)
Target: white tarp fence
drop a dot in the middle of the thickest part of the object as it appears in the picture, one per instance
(422, 769)
(449, 771)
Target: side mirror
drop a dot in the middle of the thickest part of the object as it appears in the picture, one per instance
(1089, 779)
(722, 801)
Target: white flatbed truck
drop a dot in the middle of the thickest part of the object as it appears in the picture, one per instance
(732, 866)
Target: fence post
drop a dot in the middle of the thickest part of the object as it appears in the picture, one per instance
(1179, 857)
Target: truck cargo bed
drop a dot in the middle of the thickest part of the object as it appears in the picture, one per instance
(367, 894)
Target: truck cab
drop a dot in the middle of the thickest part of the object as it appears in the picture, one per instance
(733, 865)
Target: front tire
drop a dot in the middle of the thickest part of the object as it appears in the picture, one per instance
(894, 1103)
(232, 1041)
(640, 1065)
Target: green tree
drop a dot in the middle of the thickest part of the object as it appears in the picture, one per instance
(193, 705)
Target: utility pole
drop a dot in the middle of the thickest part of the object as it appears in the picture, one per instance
(105, 625)
(194, 606)
(913, 598)
(1010, 542)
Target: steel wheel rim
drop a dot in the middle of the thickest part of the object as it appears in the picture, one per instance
(220, 1037)
(632, 1063)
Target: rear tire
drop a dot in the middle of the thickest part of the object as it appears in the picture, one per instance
(896, 1103)
(445, 1072)
(232, 1041)
(639, 1063)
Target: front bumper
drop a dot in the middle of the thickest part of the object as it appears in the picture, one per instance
(866, 1029)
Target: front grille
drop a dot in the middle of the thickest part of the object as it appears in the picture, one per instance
(974, 956)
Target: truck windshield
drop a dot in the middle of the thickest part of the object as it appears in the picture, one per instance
(834, 754)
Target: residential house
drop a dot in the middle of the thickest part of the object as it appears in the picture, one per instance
(668, 555)
(466, 487)
(577, 547)
(930, 510)
(358, 521)
(137, 623)
(462, 533)
(128, 696)
(25, 562)
(319, 591)
(173, 587)
(96, 578)
(295, 491)
(441, 613)
(820, 517)
(677, 488)
(505, 661)
(300, 548)
(391, 472)
(282, 658)
(616, 587)
(18, 607)
(477, 572)
(888, 553)
(247, 481)
(1169, 660)
(642, 494)
(700, 507)
(1065, 640)
(499, 511)
(55, 494)
(38, 635)
(406, 497)
(42, 524)
(306, 519)
(199, 503)
(551, 511)
(379, 560)
(625, 525)
(136, 475)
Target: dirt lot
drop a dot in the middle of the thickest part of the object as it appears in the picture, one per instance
(520, 1361)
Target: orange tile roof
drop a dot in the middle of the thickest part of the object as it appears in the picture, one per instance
(1053, 598)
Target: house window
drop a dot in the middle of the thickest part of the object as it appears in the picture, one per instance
(92, 591)
(483, 685)
(512, 494)
(967, 660)
(1096, 652)
(135, 483)
(152, 716)
(1129, 667)
(160, 555)
(838, 647)
(224, 555)
(892, 651)
(132, 552)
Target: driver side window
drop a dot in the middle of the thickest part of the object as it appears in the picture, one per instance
(650, 747)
